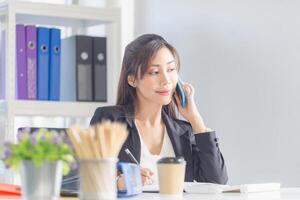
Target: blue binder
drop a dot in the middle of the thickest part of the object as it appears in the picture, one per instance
(54, 66)
(43, 42)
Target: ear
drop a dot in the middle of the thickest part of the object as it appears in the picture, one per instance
(131, 81)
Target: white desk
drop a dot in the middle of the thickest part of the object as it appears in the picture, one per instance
(283, 194)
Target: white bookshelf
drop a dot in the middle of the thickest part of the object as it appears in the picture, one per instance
(62, 109)
(77, 17)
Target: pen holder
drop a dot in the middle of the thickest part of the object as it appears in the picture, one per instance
(132, 178)
(98, 179)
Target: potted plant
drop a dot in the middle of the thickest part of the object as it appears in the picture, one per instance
(43, 156)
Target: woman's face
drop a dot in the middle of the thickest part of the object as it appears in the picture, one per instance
(159, 82)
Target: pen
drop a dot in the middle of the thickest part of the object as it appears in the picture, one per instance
(131, 156)
(136, 162)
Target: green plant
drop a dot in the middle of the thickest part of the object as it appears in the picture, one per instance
(39, 146)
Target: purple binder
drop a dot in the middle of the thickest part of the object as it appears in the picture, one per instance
(2, 65)
(31, 61)
(21, 75)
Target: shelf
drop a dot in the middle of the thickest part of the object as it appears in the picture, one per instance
(53, 108)
(2, 106)
(60, 14)
(75, 19)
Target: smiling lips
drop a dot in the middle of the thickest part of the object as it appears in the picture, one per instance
(164, 92)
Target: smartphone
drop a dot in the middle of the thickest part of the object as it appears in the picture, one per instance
(181, 94)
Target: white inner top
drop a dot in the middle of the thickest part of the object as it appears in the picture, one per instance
(148, 160)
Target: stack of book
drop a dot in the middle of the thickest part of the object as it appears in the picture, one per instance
(38, 62)
(49, 68)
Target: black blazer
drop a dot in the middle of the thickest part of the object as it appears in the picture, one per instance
(204, 161)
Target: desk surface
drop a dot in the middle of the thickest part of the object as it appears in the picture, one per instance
(283, 194)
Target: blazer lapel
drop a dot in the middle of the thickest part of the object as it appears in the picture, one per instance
(174, 131)
(133, 142)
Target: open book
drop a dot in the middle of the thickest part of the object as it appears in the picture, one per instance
(211, 188)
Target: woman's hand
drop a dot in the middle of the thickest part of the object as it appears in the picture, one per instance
(146, 176)
(190, 112)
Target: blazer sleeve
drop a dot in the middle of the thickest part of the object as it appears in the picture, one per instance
(208, 161)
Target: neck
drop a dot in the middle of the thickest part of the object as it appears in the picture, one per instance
(148, 114)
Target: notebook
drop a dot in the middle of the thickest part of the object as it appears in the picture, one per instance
(9, 190)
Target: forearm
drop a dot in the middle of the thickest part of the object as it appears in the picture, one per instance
(197, 124)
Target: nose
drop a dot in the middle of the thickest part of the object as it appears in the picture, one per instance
(165, 78)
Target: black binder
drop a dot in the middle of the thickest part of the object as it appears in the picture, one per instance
(76, 68)
(99, 69)
(84, 68)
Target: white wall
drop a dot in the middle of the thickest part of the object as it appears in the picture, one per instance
(243, 57)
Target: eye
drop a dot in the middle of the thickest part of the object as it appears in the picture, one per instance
(172, 69)
(153, 72)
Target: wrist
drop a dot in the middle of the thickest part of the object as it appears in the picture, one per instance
(198, 124)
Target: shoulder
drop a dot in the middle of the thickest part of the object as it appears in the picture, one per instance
(110, 110)
(112, 113)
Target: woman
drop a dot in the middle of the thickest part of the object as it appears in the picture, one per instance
(148, 104)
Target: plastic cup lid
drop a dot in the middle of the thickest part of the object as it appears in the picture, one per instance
(171, 160)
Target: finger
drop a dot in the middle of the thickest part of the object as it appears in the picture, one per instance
(145, 180)
(146, 172)
(189, 90)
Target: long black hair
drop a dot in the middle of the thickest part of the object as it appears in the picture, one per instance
(137, 57)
